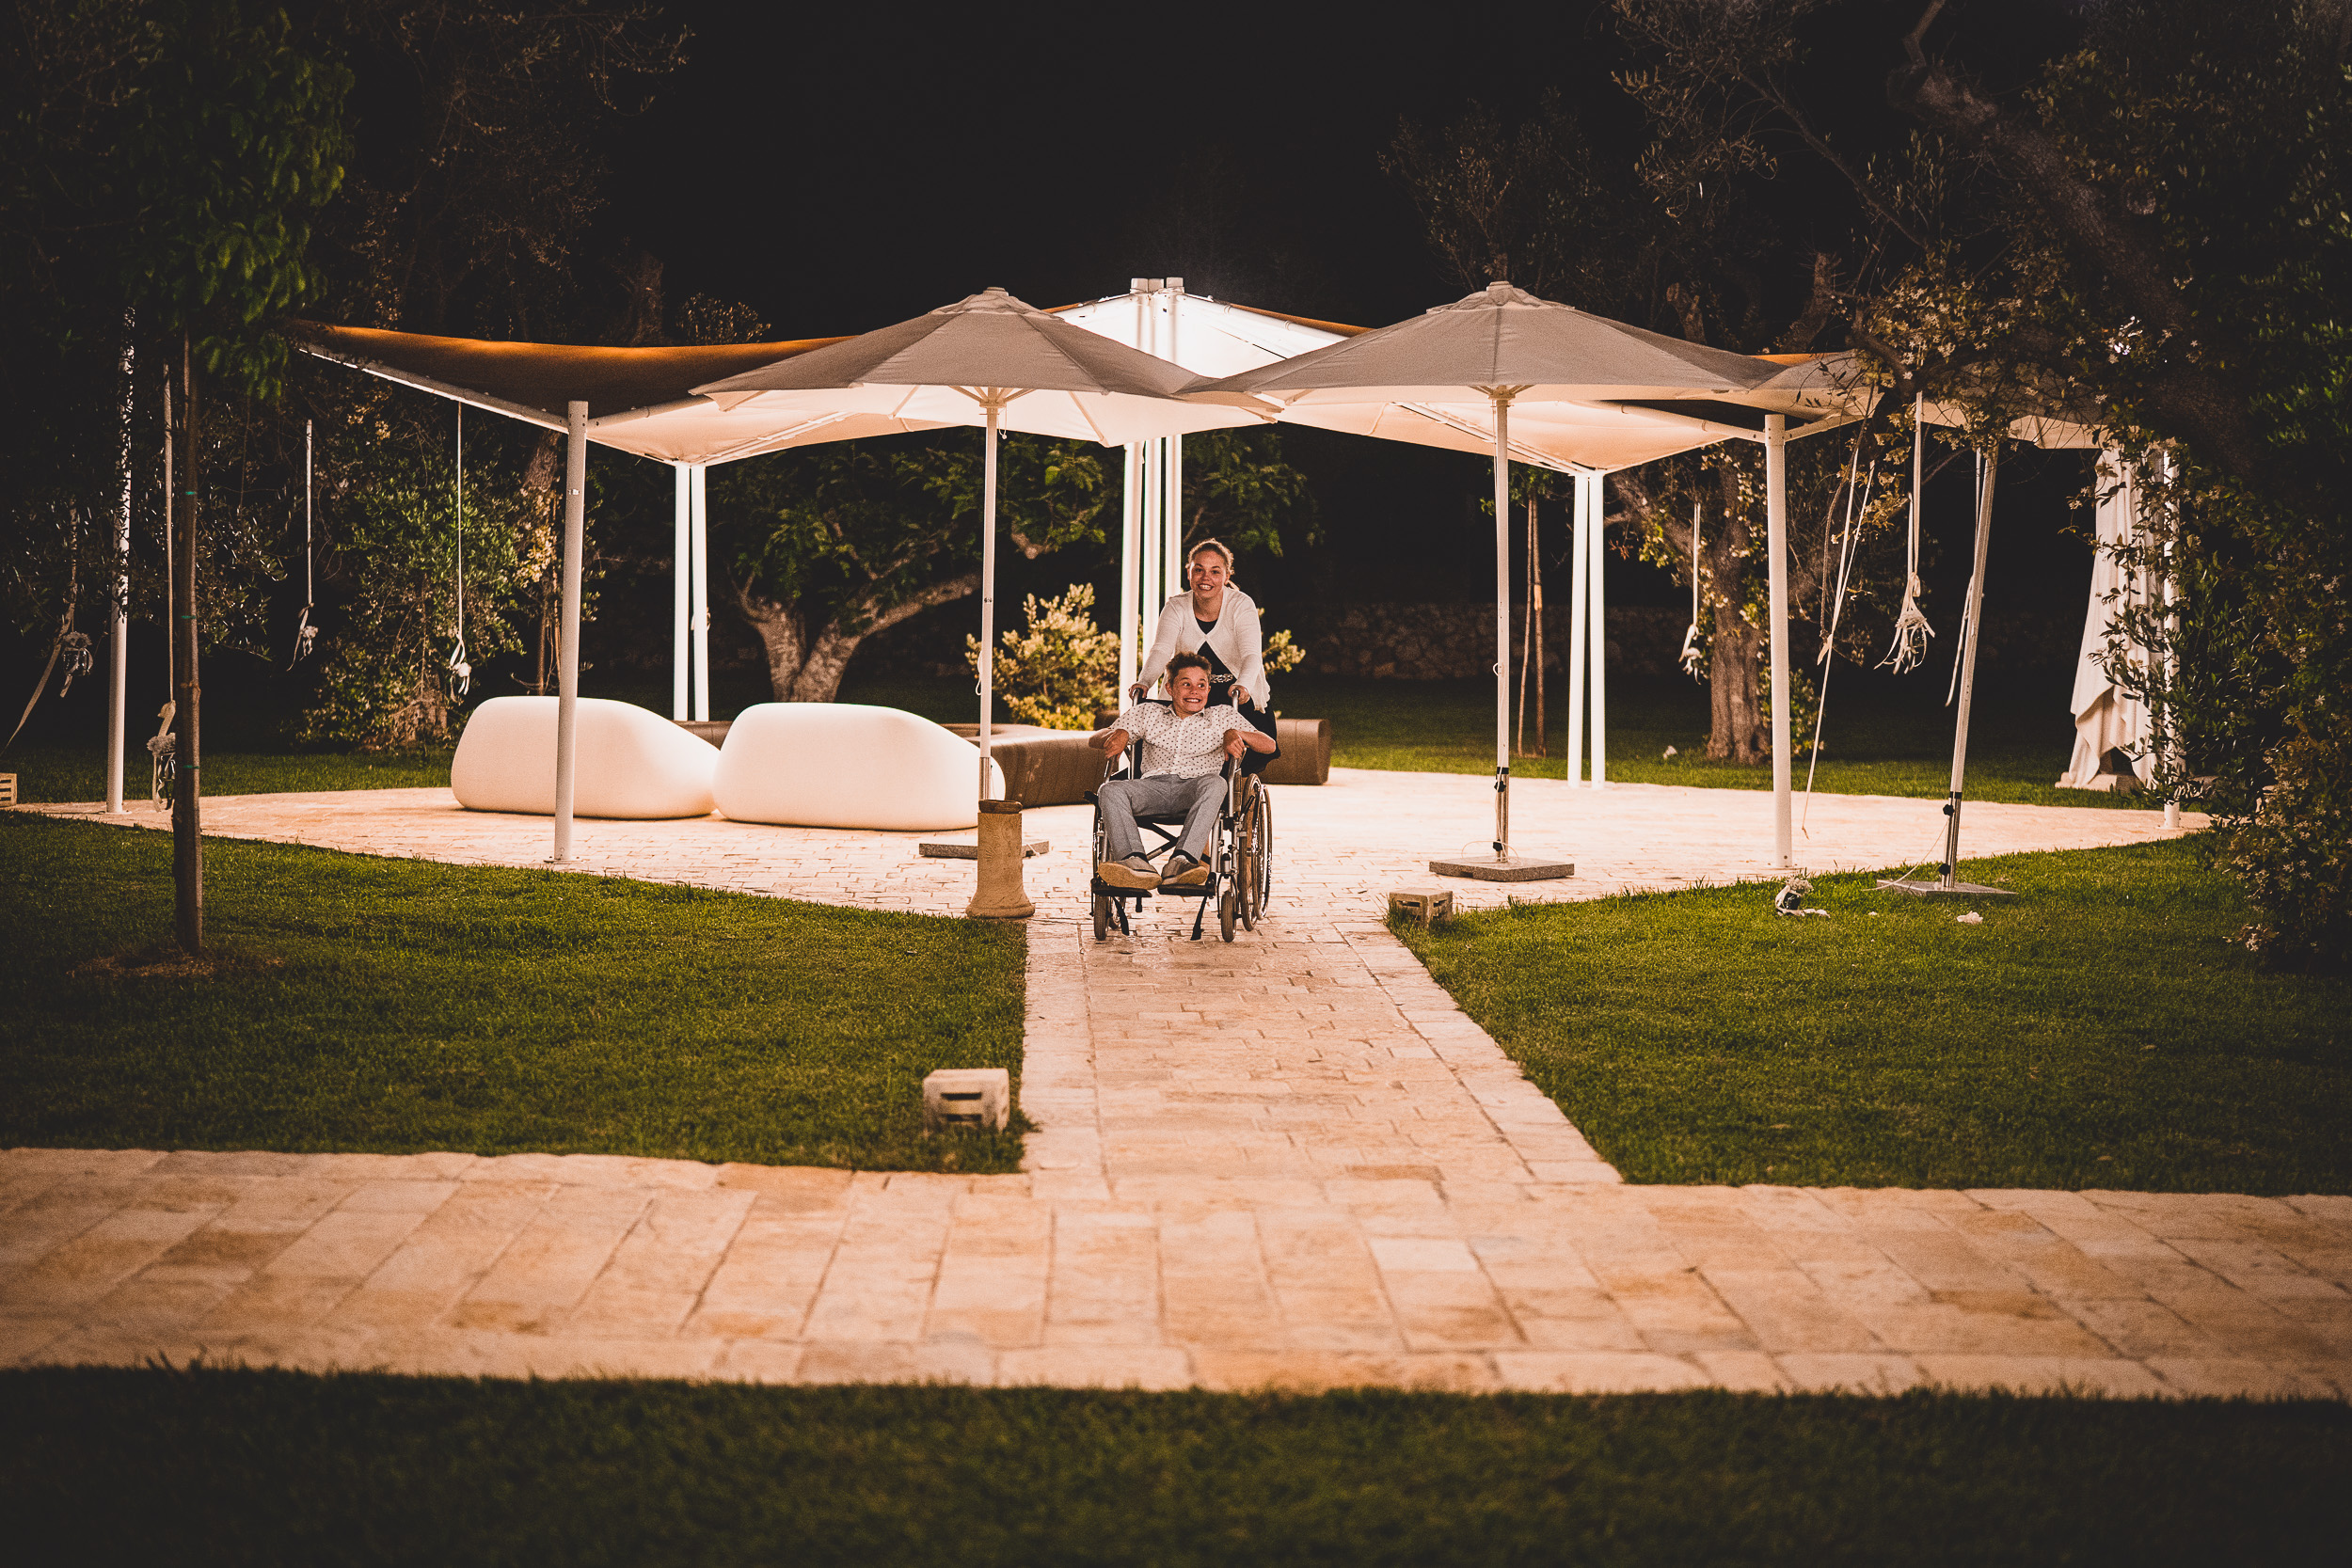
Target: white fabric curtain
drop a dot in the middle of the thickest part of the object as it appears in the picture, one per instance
(2105, 717)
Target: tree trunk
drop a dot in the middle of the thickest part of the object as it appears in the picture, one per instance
(806, 668)
(1736, 650)
(187, 846)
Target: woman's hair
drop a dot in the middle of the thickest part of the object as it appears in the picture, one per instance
(1186, 661)
(1211, 546)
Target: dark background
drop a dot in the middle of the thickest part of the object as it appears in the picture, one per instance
(840, 170)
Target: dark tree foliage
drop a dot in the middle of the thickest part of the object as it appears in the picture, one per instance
(211, 166)
(2146, 225)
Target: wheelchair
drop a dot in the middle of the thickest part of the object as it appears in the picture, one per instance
(1240, 852)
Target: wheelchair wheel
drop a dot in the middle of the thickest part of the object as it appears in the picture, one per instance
(1101, 916)
(1246, 862)
(1260, 851)
(1227, 903)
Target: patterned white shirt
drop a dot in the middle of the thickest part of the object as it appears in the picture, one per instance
(1184, 748)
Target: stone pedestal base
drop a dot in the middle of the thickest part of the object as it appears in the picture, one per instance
(1000, 896)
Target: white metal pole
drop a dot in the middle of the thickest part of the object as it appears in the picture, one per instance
(1596, 498)
(1968, 666)
(1776, 546)
(1178, 581)
(1175, 452)
(118, 657)
(681, 568)
(699, 584)
(1172, 579)
(1147, 538)
(1502, 624)
(1130, 591)
(988, 587)
(1579, 596)
(567, 644)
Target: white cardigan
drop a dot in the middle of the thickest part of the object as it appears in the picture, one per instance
(1235, 636)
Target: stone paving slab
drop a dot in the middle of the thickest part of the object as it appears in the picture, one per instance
(570, 1267)
(1289, 1162)
(1341, 847)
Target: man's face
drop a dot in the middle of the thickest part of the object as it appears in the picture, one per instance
(1209, 572)
(1190, 690)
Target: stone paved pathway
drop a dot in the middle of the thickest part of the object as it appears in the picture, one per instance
(1290, 1161)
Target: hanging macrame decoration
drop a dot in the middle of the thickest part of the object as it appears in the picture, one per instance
(1692, 654)
(305, 633)
(1911, 631)
(460, 671)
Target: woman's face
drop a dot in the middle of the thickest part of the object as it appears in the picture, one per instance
(1209, 574)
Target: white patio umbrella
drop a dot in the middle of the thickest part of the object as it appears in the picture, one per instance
(1209, 337)
(1544, 382)
(993, 361)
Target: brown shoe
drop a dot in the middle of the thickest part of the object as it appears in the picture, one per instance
(1184, 871)
(1134, 872)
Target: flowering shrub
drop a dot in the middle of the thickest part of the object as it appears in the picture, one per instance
(1281, 653)
(1059, 673)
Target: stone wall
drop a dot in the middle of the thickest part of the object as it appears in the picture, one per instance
(1456, 642)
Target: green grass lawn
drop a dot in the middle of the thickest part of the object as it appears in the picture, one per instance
(396, 1005)
(53, 771)
(1882, 737)
(2104, 1030)
(280, 1468)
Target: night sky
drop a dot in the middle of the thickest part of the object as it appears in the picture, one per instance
(844, 169)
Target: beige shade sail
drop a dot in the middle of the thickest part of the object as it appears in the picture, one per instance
(641, 399)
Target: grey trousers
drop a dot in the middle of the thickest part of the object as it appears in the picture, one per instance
(1197, 798)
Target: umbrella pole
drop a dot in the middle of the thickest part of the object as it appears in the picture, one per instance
(681, 565)
(698, 585)
(1579, 599)
(567, 648)
(1129, 564)
(1776, 544)
(1502, 867)
(1596, 673)
(988, 585)
(1503, 626)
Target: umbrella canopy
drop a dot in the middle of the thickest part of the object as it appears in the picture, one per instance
(1500, 336)
(1576, 382)
(990, 360)
(1046, 377)
(1544, 379)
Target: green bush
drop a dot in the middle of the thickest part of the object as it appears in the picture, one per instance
(1059, 673)
(2295, 856)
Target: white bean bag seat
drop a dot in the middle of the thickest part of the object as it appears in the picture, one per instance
(633, 764)
(846, 765)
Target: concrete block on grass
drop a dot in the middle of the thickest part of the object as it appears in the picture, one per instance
(975, 1097)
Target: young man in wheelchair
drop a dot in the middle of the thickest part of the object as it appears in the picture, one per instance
(1186, 746)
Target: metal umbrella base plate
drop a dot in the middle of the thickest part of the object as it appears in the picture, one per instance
(1946, 890)
(1508, 868)
(952, 850)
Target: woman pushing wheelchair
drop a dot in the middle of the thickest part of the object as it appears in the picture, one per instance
(1219, 622)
